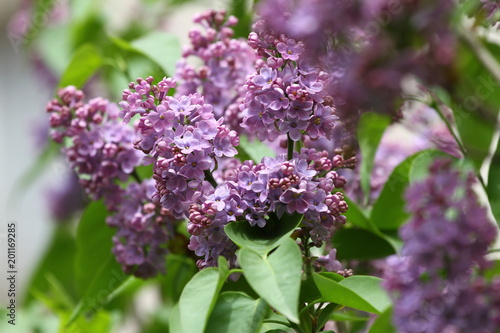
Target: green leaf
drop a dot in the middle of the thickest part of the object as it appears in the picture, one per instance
(275, 323)
(263, 240)
(383, 323)
(276, 278)
(97, 274)
(253, 150)
(199, 298)
(371, 127)
(360, 244)
(180, 270)
(351, 316)
(100, 322)
(309, 293)
(493, 188)
(476, 99)
(61, 252)
(161, 47)
(174, 320)
(236, 312)
(326, 314)
(240, 9)
(305, 322)
(85, 62)
(389, 210)
(358, 292)
(358, 218)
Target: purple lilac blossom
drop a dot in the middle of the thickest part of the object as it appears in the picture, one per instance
(256, 192)
(285, 95)
(226, 62)
(184, 152)
(101, 147)
(361, 45)
(446, 238)
(143, 231)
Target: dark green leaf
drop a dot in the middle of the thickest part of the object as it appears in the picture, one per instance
(305, 321)
(476, 99)
(240, 9)
(179, 271)
(276, 278)
(357, 217)
(358, 292)
(309, 293)
(97, 274)
(236, 312)
(360, 244)
(263, 240)
(389, 210)
(326, 314)
(493, 188)
(85, 62)
(370, 130)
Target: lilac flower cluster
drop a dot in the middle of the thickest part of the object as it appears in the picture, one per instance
(433, 286)
(370, 46)
(99, 148)
(286, 95)
(225, 64)
(182, 138)
(255, 193)
(144, 229)
(101, 151)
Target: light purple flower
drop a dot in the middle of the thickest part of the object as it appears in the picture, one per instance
(290, 50)
(266, 77)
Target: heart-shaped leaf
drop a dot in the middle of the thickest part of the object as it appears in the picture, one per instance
(276, 278)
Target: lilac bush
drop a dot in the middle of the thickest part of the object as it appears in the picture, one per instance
(263, 184)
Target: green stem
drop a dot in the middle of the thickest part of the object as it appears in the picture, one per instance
(307, 257)
(210, 178)
(289, 147)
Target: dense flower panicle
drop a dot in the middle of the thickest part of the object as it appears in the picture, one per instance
(286, 95)
(448, 234)
(362, 45)
(182, 138)
(101, 147)
(226, 62)
(257, 192)
(144, 229)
